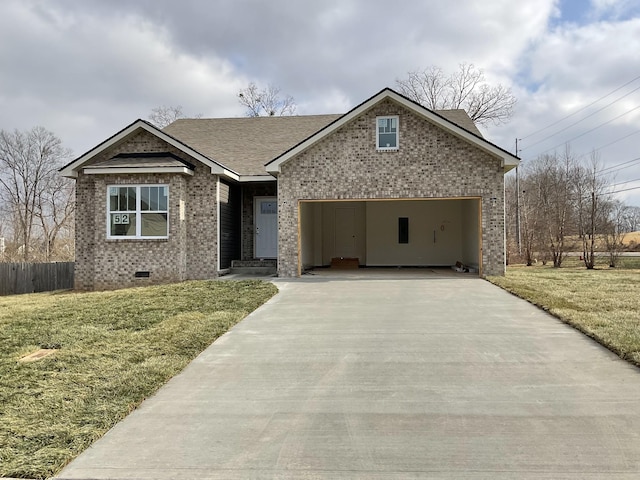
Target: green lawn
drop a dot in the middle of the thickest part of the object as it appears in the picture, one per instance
(114, 349)
(603, 303)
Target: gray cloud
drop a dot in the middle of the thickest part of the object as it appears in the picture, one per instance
(87, 68)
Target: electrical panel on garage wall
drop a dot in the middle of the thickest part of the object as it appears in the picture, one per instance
(403, 230)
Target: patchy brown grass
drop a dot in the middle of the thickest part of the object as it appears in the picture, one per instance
(603, 303)
(113, 349)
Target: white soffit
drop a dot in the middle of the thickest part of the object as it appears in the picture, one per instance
(128, 170)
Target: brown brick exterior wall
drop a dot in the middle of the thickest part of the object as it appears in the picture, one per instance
(430, 163)
(190, 252)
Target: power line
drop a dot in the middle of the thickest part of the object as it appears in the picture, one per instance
(582, 119)
(619, 166)
(589, 131)
(610, 143)
(624, 190)
(580, 110)
(624, 183)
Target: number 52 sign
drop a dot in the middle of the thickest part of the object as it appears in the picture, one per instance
(121, 219)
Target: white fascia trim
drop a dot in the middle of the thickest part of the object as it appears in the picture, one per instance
(509, 161)
(257, 178)
(128, 170)
(71, 170)
(228, 174)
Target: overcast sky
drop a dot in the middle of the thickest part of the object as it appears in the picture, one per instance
(85, 69)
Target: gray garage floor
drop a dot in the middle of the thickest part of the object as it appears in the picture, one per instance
(396, 375)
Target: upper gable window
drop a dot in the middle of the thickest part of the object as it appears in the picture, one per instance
(387, 133)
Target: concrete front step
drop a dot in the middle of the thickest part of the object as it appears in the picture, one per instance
(254, 267)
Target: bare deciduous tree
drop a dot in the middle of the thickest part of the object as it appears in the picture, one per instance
(561, 200)
(266, 101)
(30, 187)
(164, 115)
(55, 213)
(614, 231)
(529, 222)
(588, 188)
(510, 229)
(550, 177)
(466, 89)
(632, 219)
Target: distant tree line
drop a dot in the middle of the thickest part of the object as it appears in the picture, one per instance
(559, 204)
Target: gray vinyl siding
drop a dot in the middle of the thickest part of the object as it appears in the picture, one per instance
(229, 224)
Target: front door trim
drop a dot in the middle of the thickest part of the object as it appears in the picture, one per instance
(265, 229)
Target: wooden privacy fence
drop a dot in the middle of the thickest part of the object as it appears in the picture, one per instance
(35, 277)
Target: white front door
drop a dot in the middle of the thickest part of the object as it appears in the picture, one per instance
(266, 227)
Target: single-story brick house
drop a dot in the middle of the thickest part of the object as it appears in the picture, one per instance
(389, 183)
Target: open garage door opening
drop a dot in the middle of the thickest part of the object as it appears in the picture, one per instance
(391, 233)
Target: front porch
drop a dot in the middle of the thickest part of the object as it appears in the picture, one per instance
(245, 247)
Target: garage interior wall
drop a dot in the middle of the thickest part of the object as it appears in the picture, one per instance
(434, 233)
(471, 235)
(310, 215)
(441, 232)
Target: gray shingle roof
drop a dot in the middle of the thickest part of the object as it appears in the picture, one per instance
(460, 118)
(245, 145)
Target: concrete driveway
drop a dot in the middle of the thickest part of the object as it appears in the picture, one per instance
(386, 377)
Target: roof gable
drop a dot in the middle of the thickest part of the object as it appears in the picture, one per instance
(445, 119)
(72, 168)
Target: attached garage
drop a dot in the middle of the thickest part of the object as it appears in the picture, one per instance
(392, 183)
(391, 232)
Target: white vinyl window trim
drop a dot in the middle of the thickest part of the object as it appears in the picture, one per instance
(137, 211)
(387, 133)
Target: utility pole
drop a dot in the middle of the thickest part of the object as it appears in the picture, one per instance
(518, 239)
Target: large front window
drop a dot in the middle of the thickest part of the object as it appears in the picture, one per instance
(138, 211)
